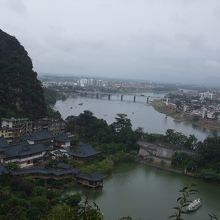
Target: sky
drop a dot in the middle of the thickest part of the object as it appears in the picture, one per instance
(159, 40)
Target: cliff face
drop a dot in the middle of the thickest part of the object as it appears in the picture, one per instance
(21, 93)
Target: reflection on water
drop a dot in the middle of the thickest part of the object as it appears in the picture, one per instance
(147, 193)
(141, 115)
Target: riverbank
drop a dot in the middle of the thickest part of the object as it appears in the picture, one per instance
(181, 117)
(166, 168)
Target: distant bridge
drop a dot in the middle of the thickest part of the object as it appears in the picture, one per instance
(100, 95)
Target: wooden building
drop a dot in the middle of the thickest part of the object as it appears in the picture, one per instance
(92, 180)
(82, 152)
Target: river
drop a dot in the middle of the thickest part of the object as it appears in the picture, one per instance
(141, 114)
(149, 194)
(137, 190)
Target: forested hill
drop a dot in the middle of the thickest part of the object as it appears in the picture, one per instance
(21, 93)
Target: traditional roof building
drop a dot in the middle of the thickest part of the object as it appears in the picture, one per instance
(82, 152)
(3, 170)
(3, 142)
(24, 155)
(45, 173)
(62, 140)
(40, 137)
(93, 180)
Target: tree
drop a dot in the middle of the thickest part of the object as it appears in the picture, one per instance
(122, 122)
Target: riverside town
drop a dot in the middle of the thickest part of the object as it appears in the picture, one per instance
(109, 110)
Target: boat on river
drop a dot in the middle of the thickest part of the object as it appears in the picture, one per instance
(194, 205)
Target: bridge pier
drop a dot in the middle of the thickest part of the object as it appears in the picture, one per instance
(122, 96)
(135, 98)
(147, 99)
(109, 96)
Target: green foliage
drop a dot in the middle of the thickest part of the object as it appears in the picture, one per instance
(85, 211)
(71, 200)
(210, 174)
(51, 113)
(181, 160)
(21, 94)
(51, 96)
(11, 166)
(110, 139)
(183, 201)
(104, 166)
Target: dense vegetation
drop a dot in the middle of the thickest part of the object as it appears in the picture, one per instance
(29, 199)
(21, 93)
(116, 142)
(205, 158)
(51, 96)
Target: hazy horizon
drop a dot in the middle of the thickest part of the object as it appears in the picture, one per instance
(154, 40)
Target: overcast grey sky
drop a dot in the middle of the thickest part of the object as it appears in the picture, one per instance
(177, 40)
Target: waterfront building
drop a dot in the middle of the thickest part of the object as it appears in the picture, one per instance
(92, 180)
(46, 173)
(82, 152)
(24, 155)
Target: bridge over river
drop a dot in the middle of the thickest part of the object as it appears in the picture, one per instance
(135, 97)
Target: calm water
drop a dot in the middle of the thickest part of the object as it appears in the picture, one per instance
(136, 190)
(149, 194)
(141, 114)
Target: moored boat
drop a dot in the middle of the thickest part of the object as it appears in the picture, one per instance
(194, 205)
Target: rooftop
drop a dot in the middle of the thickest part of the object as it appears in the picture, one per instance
(3, 142)
(40, 135)
(3, 169)
(63, 137)
(95, 176)
(23, 150)
(14, 119)
(44, 171)
(82, 150)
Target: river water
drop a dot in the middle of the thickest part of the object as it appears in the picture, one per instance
(141, 114)
(149, 194)
(137, 190)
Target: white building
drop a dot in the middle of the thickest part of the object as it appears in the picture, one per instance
(24, 155)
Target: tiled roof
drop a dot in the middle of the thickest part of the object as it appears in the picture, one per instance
(40, 135)
(62, 165)
(24, 150)
(82, 150)
(44, 171)
(3, 169)
(62, 137)
(95, 176)
(3, 142)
